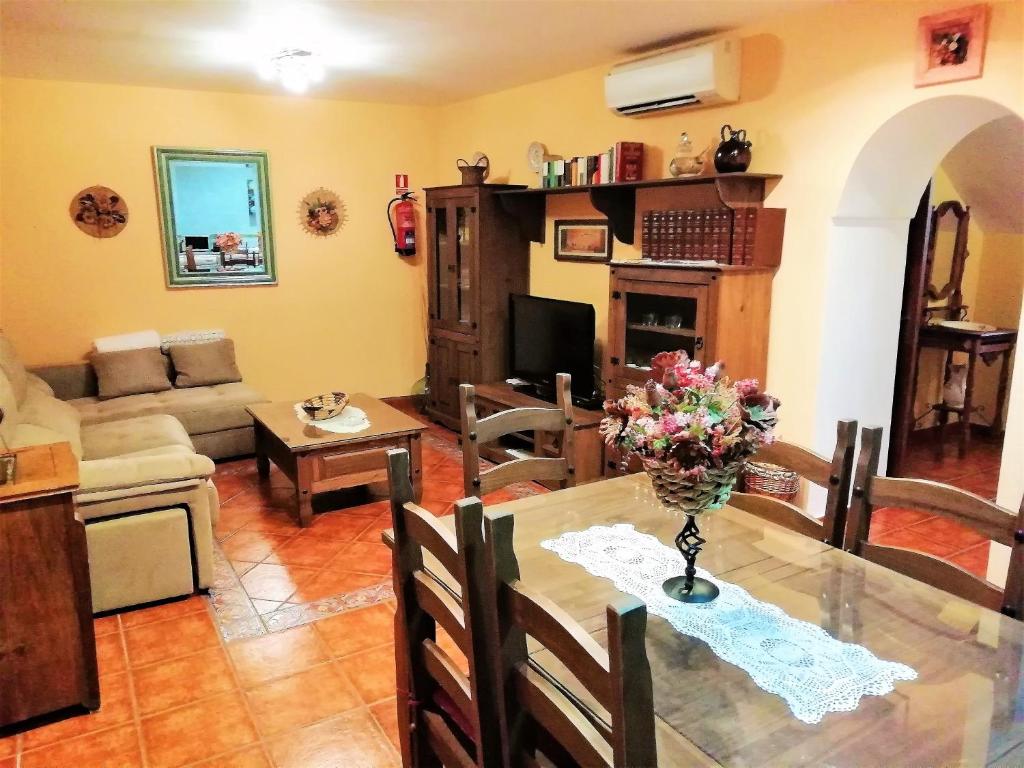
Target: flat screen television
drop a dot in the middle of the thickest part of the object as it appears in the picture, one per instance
(551, 336)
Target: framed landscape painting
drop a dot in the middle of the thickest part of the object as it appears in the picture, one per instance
(583, 240)
(951, 45)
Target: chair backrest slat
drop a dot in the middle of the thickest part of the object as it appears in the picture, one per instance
(835, 475)
(565, 638)
(931, 570)
(779, 512)
(521, 470)
(568, 726)
(435, 538)
(540, 467)
(871, 491)
(441, 667)
(958, 505)
(442, 607)
(422, 669)
(444, 744)
(518, 420)
(619, 679)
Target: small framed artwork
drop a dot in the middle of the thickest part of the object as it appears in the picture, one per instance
(951, 45)
(583, 240)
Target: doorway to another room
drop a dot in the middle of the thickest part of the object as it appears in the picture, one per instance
(962, 293)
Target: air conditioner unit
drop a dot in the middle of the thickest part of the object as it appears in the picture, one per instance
(694, 76)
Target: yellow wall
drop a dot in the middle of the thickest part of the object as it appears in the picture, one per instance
(347, 313)
(816, 85)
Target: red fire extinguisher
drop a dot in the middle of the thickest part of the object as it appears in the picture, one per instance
(403, 224)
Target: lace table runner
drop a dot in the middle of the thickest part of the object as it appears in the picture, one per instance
(351, 419)
(813, 672)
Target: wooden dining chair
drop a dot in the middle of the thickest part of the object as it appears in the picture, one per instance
(540, 717)
(477, 432)
(444, 716)
(834, 475)
(872, 491)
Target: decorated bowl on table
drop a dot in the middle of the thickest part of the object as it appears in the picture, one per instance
(325, 406)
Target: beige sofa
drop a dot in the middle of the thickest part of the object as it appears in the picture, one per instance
(214, 417)
(145, 494)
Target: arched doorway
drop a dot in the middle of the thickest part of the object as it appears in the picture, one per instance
(866, 260)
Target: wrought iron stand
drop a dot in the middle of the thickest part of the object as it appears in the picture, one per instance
(688, 588)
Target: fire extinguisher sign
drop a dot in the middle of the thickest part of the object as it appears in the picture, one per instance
(401, 183)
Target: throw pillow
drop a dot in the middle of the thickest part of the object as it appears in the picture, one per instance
(130, 372)
(200, 365)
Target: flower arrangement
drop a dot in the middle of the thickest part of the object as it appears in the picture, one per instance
(689, 418)
(228, 241)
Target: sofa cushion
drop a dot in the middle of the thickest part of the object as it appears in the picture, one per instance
(130, 372)
(200, 365)
(11, 365)
(118, 438)
(9, 409)
(98, 476)
(49, 412)
(31, 434)
(39, 385)
(200, 409)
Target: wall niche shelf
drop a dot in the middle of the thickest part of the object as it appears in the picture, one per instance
(617, 201)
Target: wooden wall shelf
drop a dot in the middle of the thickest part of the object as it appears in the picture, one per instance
(618, 201)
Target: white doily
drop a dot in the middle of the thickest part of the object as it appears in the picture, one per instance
(813, 672)
(351, 419)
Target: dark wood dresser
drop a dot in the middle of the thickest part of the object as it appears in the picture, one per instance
(47, 645)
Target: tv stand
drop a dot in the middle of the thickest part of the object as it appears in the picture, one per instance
(501, 396)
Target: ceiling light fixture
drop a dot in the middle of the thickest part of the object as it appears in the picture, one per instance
(296, 69)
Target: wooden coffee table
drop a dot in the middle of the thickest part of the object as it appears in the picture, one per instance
(317, 460)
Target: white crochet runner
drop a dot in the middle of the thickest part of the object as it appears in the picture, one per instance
(813, 672)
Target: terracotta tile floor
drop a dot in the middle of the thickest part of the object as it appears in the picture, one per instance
(978, 472)
(272, 575)
(176, 692)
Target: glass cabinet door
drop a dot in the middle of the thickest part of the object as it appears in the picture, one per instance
(453, 293)
(655, 319)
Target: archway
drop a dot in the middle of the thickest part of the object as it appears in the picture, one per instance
(866, 259)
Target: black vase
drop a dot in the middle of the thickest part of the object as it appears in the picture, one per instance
(733, 154)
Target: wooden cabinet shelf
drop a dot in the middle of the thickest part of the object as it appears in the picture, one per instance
(617, 201)
(688, 332)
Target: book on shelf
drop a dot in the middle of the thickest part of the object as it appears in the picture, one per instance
(623, 162)
(742, 236)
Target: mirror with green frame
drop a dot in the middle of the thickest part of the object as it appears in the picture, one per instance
(215, 214)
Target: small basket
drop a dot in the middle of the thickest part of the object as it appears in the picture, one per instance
(770, 480)
(473, 174)
(326, 406)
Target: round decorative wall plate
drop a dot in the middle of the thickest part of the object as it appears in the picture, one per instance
(322, 213)
(535, 155)
(99, 211)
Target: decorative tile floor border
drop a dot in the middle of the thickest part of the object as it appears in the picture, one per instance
(238, 619)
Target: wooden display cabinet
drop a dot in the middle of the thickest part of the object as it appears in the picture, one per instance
(713, 313)
(476, 258)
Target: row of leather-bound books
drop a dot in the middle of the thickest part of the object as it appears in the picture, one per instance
(721, 235)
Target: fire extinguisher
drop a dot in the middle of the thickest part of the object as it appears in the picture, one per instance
(403, 224)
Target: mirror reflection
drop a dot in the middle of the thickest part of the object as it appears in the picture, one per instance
(216, 218)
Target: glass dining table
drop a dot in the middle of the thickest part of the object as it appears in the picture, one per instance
(965, 707)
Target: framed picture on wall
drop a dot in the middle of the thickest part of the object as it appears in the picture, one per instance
(215, 217)
(951, 45)
(583, 240)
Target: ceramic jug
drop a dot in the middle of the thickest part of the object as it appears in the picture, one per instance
(733, 153)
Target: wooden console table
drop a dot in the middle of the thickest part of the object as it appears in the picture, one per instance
(987, 345)
(499, 396)
(47, 642)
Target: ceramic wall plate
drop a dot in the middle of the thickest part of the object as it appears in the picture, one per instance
(99, 211)
(322, 213)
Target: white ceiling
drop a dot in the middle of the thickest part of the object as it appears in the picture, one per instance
(406, 51)
(987, 169)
